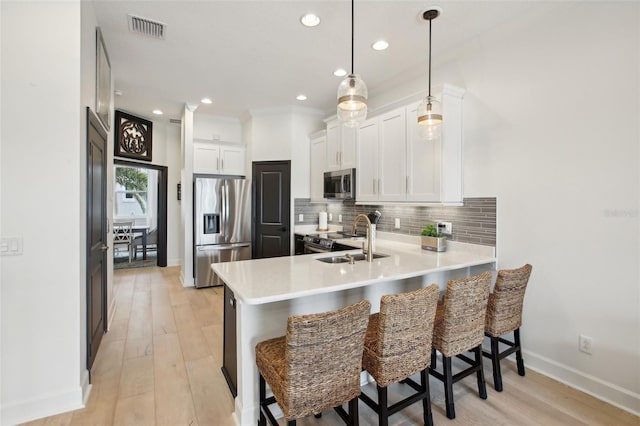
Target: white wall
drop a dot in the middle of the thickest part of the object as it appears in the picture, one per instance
(551, 129)
(42, 166)
(212, 127)
(280, 134)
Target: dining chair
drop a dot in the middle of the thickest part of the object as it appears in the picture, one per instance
(397, 346)
(504, 315)
(459, 327)
(315, 366)
(123, 235)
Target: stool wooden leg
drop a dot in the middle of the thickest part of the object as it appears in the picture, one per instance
(433, 359)
(448, 387)
(291, 423)
(495, 362)
(519, 361)
(383, 415)
(426, 402)
(354, 418)
(263, 395)
(482, 386)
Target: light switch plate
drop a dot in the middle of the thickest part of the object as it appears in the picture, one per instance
(10, 246)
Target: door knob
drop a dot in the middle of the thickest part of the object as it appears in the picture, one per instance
(104, 247)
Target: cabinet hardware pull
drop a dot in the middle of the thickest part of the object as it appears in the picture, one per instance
(218, 164)
(222, 164)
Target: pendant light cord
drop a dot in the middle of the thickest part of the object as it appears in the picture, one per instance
(430, 57)
(352, 35)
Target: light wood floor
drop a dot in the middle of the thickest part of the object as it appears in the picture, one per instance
(160, 365)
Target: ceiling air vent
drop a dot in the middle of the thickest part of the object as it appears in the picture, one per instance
(147, 27)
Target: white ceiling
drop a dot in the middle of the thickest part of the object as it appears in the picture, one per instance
(255, 54)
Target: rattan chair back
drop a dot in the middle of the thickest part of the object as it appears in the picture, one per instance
(460, 319)
(399, 337)
(504, 310)
(323, 358)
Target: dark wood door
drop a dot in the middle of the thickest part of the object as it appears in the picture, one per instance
(96, 236)
(271, 204)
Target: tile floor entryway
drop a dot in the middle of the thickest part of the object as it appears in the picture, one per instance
(160, 365)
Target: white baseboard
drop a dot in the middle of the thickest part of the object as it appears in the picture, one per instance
(112, 313)
(598, 388)
(43, 406)
(174, 262)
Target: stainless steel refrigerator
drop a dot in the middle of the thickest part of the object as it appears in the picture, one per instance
(221, 225)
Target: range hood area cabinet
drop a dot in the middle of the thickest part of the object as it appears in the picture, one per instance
(341, 146)
(218, 158)
(396, 165)
(318, 164)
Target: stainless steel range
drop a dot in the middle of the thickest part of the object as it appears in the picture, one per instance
(324, 243)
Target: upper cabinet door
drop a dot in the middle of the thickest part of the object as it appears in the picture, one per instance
(341, 146)
(423, 162)
(367, 181)
(318, 165)
(206, 158)
(349, 136)
(393, 155)
(334, 145)
(232, 160)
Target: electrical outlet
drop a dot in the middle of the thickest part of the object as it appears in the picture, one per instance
(330, 216)
(340, 218)
(397, 223)
(300, 217)
(585, 344)
(445, 228)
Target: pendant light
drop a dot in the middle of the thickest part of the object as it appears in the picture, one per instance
(430, 110)
(352, 93)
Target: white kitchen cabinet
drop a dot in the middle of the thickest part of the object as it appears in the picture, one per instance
(341, 146)
(392, 149)
(218, 159)
(395, 164)
(434, 167)
(367, 181)
(318, 164)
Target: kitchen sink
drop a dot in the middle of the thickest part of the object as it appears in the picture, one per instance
(342, 258)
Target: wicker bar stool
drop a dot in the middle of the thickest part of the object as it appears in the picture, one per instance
(398, 345)
(459, 327)
(316, 366)
(504, 315)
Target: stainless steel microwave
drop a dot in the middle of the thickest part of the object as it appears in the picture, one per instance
(340, 184)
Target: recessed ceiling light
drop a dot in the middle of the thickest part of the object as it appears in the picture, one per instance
(310, 20)
(301, 97)
(380, 45)
(206, 101)
(340, 72)
(157, 112)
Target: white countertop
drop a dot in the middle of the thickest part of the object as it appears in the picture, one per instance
(259, 281)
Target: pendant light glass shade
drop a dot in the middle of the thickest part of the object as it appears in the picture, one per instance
(430, 110)
(352, 101)
(352, 92)
(429, 118)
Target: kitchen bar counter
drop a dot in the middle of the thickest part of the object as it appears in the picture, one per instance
(275, 279)
(267, 291)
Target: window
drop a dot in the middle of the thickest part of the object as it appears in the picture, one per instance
(131, 197)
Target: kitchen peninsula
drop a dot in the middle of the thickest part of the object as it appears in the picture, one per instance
(267, 291)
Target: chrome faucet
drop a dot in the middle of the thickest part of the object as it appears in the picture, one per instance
(369, 252)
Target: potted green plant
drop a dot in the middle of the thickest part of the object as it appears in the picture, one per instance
(432, 239)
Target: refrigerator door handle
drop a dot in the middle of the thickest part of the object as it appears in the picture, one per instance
(221, 247)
